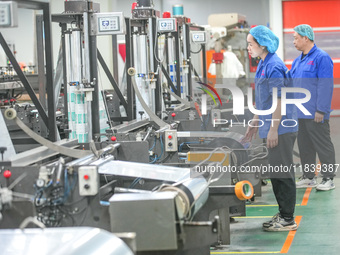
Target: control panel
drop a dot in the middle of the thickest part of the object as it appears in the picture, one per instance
(171, 140)
(8, 14)
(109, 23)
(167, 25)
(88, 180)
(199, 37)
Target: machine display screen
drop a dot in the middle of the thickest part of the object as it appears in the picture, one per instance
(167, 25)
(199, 37)
(107, 24)
(5, 14)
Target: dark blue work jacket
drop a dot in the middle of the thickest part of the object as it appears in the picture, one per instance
(314, 73)
(272, 73)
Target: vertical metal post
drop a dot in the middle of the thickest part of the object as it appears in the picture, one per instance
(129, 63)
(63, 45)
(86, 59)
(204, 60)
(41, 60)
(158, 90)
(151, 66)
(178, 64)
(115, 58)
(94, 79)
(224, 236)
(49, 74)
(188, 57)
(184, 61)
(167, 45)
(88, 64)
(41, 69)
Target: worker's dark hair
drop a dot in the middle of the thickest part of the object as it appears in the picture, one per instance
(258, 42)
(309, 39)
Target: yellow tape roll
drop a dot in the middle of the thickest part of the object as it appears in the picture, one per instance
(244, 190)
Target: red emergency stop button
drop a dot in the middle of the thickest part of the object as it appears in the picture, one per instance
(86, 177)
(7, 174)
(113, 138)
(173, 114)
(166, 15)
(170, 137)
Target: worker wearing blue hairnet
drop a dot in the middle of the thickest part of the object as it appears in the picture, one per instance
(313, 70)
(271, 76)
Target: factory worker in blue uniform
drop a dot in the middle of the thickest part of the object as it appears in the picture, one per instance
(313, 70)
(271, 76)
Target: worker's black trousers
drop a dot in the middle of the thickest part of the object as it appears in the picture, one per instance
(283, 181)
(315, 138)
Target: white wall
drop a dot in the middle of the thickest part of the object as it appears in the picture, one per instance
(22, 36)
(256, 11)
(276, 23)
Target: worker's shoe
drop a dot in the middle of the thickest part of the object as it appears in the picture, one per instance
(304, 182)
(326, 184)
(280, 224)
(268, 223)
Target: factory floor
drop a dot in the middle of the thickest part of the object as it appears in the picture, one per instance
(317, 214)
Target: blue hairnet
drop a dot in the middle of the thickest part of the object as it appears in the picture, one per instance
(305, 30)
(265, 37)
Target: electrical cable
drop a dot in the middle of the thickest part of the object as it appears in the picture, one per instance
(134, 183)
(153, 146)
(162, 151)
(154, 48)
(85, 211)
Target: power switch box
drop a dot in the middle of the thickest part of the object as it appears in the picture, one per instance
(171, 140)
(88, 180)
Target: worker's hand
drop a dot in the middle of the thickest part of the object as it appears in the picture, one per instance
(251, 131)
(272, 139)
(318, 117)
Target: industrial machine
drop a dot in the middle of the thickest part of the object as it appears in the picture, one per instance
(92, 187)
(163, 170)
